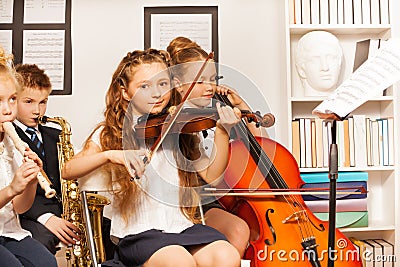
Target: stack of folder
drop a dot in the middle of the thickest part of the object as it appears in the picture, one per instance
(351, 205)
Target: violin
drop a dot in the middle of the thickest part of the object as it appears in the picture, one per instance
(191, 120)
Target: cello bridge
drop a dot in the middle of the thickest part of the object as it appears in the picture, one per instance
(296, 216)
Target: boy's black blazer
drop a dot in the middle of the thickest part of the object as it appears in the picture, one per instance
(41, 205)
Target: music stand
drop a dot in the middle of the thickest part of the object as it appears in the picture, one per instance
(333, 175)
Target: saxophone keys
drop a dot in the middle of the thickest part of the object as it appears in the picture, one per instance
(73, 195)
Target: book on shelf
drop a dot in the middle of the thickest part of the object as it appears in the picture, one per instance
(346, 143)
(387, 149)
(313, 145)
(322, 177)
(296, 140)
(374, 252)
(291, 12)
(340, 143)
(360, 143)
(375, 16)
(366, 11)
(382, 148)
(391, 144)
(307, 142)
(384, 12)
(345, 190)
(319, 145)
(324, 11)
(368, 141)
(375, 75)
(342, 205)
(315, 11)
(385, 142)
(333, 12)
(351, 142)
(297, 12)
(348, 12)
(350, 185)
(340, 11)
(328, 130)
(360, 246)
(357, 12)
(347, 219)
(302, 143)
(388, 252)
(376, 159)
(306, 12)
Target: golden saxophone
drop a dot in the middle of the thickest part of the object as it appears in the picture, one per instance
(84, 210)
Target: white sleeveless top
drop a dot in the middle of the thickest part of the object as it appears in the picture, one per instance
(159, 206)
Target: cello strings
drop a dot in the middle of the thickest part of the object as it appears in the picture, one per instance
(261, 155)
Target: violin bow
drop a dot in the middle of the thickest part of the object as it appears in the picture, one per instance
(177, 111)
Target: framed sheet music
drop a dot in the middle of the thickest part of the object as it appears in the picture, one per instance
(199, 23)
(40, 33)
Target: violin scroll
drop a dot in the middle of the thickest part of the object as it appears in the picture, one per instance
(267, 120)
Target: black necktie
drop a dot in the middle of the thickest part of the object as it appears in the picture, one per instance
(35, 139)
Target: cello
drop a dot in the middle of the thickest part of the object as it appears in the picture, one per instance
(284, 232)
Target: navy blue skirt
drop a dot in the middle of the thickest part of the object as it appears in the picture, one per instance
(135, 250)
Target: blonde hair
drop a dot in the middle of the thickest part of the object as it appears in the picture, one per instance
(111, 136)
(7, 73)
(183, 50)
(7, 70)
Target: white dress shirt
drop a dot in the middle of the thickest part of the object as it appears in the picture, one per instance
(10, 159)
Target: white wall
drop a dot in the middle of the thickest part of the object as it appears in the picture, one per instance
(251, 40)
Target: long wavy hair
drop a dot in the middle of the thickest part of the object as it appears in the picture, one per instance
(7, 69)
(127, 193)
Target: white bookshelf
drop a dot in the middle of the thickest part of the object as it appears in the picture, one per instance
(383, 181)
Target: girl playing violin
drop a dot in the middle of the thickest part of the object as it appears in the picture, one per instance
(154, 218)
(184, 55)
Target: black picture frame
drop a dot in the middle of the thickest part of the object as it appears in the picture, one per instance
(18, 26)
(213, 10)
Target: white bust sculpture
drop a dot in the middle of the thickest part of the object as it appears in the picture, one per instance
(318, 62)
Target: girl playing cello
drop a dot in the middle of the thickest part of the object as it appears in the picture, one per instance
(184, 52)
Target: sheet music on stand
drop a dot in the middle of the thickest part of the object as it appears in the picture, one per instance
(367, 82)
